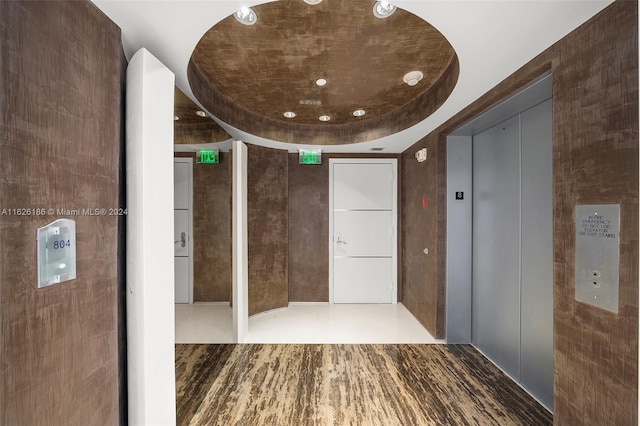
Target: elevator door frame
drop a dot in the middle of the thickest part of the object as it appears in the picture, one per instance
(459, 256)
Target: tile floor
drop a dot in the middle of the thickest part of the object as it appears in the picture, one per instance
(304, 323)
(203, 323)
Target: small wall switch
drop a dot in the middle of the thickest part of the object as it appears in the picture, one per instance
(421, 155)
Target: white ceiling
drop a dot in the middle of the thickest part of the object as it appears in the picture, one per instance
(492, 39)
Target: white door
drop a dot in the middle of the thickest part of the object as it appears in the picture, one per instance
(362, 227)
(182, 172)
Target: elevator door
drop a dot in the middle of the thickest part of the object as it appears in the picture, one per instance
(512, 268)
(496, 244)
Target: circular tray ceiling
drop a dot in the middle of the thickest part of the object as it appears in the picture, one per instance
(264, 78)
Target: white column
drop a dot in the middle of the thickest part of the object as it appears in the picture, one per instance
(150, 268)
(240, 250)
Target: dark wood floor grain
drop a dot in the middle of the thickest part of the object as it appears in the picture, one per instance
(347, 385)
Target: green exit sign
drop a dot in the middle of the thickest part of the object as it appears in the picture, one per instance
(209, 156)
(309, 157)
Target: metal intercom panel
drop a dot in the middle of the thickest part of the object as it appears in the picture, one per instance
(598, 255)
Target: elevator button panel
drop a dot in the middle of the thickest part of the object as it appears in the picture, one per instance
(56, 252)
(598, 255)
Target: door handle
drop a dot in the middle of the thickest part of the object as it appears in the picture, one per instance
(183, 239)
(339, 241)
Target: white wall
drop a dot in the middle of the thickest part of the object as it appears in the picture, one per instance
(150, 268)
(240, 245)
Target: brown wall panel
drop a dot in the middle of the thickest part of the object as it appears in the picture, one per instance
(595, 154)
(60, 131)
(211, 229)
(309, 228)
(191, 133)
(268, 233)
(595, 160)
(421, 230)
(308, 231)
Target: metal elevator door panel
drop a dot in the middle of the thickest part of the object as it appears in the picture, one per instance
(496, 244)
(536, 359)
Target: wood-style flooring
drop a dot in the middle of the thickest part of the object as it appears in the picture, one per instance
(347, 385)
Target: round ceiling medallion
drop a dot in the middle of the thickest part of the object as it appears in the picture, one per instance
(246, 76)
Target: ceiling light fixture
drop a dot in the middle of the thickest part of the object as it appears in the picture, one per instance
(201, 113)
(383, 9)
(324, 118)
(359, 113)
(246, 16)
(321, 82)
(289, 114)
(313, 2)
(412, 77)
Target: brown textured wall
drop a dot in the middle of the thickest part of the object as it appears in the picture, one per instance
(595, 128)
(192, 133)
(268, 234)
(60, 86)
(308, 231)
(424, 228)
(595, 160)
(211, 229)
(309, 228)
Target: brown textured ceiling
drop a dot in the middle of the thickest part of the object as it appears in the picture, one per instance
(248, 76)
(190, 128)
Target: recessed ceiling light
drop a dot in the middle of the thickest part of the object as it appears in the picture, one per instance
(324, 118)
(201, 113)
(246, 16)
(313, 2)
(176, 118)
(289, 114)
(412, 78)
(321, 82)
(383, 9)
(359, 113)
